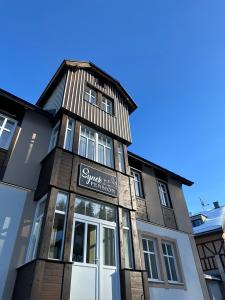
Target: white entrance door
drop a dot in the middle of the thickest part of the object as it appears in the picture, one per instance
(95, 272)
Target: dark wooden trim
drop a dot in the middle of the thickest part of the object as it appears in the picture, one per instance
(135, 239)
(48, 220)
(116, 156)
(76, 137)
(67, 273)
(69, 228)
(126, 162)
(62, 131)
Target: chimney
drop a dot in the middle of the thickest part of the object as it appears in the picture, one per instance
(216, 204)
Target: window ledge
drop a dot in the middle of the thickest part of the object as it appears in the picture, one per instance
(155, 281)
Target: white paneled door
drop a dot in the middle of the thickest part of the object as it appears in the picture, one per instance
(95, 271)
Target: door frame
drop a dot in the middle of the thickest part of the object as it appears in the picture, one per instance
(100, 224)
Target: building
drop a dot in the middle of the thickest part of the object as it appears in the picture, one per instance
(208, 227)
(83, 218)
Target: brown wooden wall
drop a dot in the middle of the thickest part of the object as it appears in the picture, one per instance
(73, 101)
(61, 170)
(40, 279)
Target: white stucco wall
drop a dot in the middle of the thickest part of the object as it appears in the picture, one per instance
(194, 290)
(12, 202)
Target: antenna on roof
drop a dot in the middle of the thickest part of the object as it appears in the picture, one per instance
(203, 204)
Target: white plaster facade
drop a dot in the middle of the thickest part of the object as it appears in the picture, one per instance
(193, 289)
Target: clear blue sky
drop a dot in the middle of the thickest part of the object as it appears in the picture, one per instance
(169, 55)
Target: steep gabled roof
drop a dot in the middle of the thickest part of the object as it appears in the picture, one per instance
(66, 64)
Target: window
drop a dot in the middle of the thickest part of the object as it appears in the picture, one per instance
(95, 209)
(137, 183)
(151, 263)
(121, 158)
(54, 136)
(170, 262)
(32, 249)
(68, 141)
(164, 194)
(197, 222)
(90, 95)
(107, 105)
(96, 146)
(7, 128)
(58, 230)
(128, 251)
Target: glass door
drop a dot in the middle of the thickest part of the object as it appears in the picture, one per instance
(85, 255)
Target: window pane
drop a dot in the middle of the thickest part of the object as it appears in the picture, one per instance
(5, 139)
(91, 244)
(90, 209)
(127, 248)
(110, 214)
(169, 249)
(109, 157)
(90, 153)
(61, 202)
(167, 268)
(150, 246)
(136, 187)
(68, 140)
(41, 208)
(57, 236)
(164, 248)
(125, 218)
(173, 269)
(100, 154)
(34, 239)
(147, 266)
(82, 146)
(109, 247)
(144, 244)
(78, 246)
(154, 266)
(80, 206)
(10, 125)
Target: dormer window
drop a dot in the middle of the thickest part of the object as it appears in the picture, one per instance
(107, 105)
(196, 222)
(90, 95)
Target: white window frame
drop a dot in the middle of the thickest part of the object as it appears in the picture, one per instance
(107, 105)
(128, 230)
(30, 257)
(97, 142)
(121, 157)
(66, 134)
(54, 137)
(3, 128)
(139, 192)
(149, 253)
(164, 194)
(167, 256)
(88, 92)
(64, 226)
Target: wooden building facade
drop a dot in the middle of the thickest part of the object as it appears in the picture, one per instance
(95, 221)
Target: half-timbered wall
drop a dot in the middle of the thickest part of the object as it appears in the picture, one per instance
(117, 124)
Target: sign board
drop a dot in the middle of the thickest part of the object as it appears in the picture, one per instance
(98, 181)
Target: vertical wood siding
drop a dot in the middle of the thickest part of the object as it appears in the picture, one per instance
(74, 102)
(55, 100)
